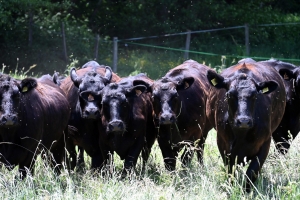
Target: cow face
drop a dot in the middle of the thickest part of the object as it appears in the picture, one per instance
(89, 87)
(116, 106)
(294, 76)
(166, 102)
(10, 94)
(242, 93)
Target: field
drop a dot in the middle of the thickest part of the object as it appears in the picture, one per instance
(279, 179)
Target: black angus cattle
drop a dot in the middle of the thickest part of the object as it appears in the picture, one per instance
(245, 111)
(179, 101)
(33, 116)
(127, 118)
(291, 119)
(82, 89)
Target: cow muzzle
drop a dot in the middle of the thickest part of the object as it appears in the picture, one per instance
(116, 126)
(92, 113)
(8, 120)
(244, 123)
(166, 119)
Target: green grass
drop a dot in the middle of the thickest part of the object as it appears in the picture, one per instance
(279, 179)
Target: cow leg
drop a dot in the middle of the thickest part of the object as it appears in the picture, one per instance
(58, 157)
(281, 138)
(145, 155)
(107, 155)
(168, 154)
(256, 164)
(71, 157)
(151, 135)
(133, 154)
(27, 164)
(97, 162)
(80, 159)
(187, 156)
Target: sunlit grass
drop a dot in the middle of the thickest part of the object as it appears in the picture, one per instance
(279, 179)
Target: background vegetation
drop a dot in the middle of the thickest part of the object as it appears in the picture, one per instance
(31, 31)
(31, 44)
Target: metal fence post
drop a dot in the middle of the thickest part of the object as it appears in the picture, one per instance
(115, 54)
(187, 45)
(247, 40)
(64, 41)
(97, 46)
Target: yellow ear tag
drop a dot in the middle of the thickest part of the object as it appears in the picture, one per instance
(214, 81)
(266, 89)
(138, 92)
(91, 97)
(285, 77)
(24, 89)
(186, 85)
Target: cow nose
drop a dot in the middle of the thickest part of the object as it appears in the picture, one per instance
(244, 122)
(92, 113)
(116, 126)
(8, 120)
(167, 119)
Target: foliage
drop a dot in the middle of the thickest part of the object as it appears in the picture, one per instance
(31, 30)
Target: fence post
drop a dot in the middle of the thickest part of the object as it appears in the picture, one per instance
(115, 54)
(97, 46)
(64, 41)
(187, 45)
(247, 40)
(30, 28)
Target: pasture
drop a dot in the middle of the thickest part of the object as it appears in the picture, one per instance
(279, 179)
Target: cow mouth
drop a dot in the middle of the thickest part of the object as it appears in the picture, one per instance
(167, 120)
(9, 124)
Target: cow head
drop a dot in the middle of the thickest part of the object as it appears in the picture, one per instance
(166, 99)
(116, 106)
(11, 91)
(292, 75)
(89, 87)
(242, 93)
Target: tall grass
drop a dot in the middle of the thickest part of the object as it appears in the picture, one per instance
(279, 179)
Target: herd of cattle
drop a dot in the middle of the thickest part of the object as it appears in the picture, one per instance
(93, 108)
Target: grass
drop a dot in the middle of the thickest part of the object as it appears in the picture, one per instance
(279, 179)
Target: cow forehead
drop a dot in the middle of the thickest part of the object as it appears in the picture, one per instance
(243, 86)
(116, 96)
(6, 85)
(164, 86)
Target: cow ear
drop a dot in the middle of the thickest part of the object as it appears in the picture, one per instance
(27, 84)
(55, 78)
(146, 84)
(296, 73)
(267, 86)
(286, 74)
(136, 90)
(108, 73)
(74, 77)
(185, 83)
(216, 80)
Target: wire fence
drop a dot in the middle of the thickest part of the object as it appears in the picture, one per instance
(217, 48)
(155, 55)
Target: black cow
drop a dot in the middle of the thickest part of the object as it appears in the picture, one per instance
(291, 119)
(179, 101)
(33, 116)
(245, 111)
(82, 89)
(127, 118)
